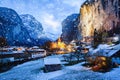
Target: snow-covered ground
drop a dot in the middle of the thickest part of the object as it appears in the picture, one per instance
(32, 71)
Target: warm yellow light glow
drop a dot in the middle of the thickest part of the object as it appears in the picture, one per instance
(61, 47)
(19, 49)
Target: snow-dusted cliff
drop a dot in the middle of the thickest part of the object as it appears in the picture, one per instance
(100, 15)
(69, 28)
(20, 30)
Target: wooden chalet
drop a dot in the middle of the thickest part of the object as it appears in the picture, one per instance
(52, 64)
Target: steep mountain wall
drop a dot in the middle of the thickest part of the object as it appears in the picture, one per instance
(100, 15)
(69, 28)
(22, 30)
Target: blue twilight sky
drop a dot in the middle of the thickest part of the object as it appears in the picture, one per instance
(49, 12)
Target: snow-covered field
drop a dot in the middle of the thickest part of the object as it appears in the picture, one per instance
(32, 71)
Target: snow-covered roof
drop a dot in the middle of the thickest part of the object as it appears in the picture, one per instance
(5, 52)
(49, 61)
(17, 52)
(35, 47)
(36, 50)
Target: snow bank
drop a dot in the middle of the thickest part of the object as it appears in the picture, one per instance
(101, 48)
(32, 71)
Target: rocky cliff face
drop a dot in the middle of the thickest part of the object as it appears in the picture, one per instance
(20, 31)
(100, 15)
(69, 28)
(10, 25)
(33, 27)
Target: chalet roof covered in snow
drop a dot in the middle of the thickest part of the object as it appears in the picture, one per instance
(50, 61)
(17, 52)
(36, 50)
(35, 47)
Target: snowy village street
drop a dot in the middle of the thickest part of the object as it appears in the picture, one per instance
(32, 71)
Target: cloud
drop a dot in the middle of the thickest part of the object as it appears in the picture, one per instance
(51, 23)
(74, 3)
(50, 20)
